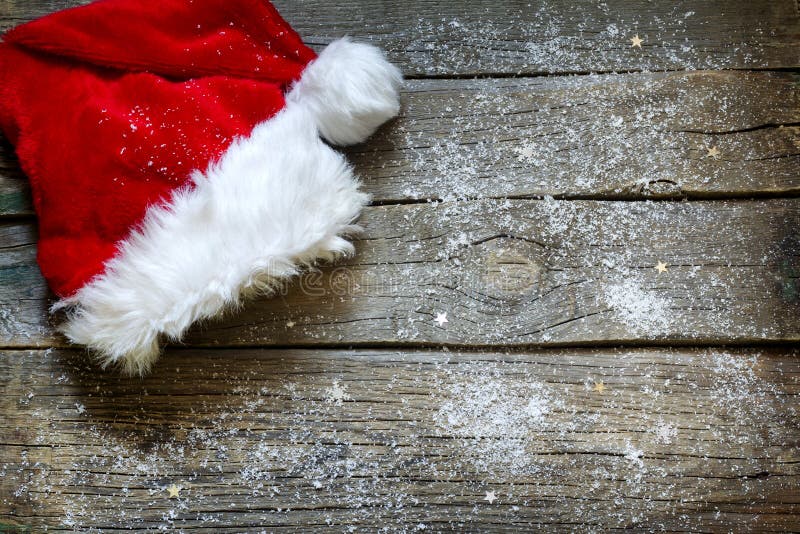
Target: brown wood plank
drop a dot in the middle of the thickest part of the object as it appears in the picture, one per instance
(672, 440)
(508, 272)
(543, 36)
(630, 136)
(626, 136)
(15, 194)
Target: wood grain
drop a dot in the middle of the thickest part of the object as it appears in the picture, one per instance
(508, 272)
(271, 420)
(544, 36)
(618, 136)
(622, 136)
(675, 440)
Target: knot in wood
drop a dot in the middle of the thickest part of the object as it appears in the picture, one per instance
(507, 267)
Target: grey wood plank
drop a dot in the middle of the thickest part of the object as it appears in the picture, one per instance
(613, 136)
(508, 272)
(543, 36)
(673, 440)
(624, 136)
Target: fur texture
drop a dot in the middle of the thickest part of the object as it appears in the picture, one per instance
(114, 104)
(137, 240)
(350, 89)
(276, 201)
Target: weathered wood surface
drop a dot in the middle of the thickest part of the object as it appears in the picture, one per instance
(629, 136)
(509, 272)
(672, 440)
(409, 439)
(543, 36)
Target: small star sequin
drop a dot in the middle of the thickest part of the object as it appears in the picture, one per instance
(661, 267)
(441, 318)
(490, 497)
(599, 387)
(713, 152)
(636, 41)
(173, 491)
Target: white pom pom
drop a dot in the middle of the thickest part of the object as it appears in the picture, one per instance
(350, 90)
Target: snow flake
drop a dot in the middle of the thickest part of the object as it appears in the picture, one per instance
(336, 394)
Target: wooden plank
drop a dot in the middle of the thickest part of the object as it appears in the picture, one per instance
(672, 440)
(626, 136)
(616, 136)
(508, 272)
(544, 36)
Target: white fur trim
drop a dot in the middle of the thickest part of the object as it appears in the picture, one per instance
(350, 89)
(276, 201)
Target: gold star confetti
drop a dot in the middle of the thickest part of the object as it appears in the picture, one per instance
(490, 497)
(713, 152)
(636, 42)
(441, 318)
(661, 267)
(289, 324)
(173, 491)
(599, 387)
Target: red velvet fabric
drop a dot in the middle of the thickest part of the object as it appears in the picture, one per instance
(112, 105)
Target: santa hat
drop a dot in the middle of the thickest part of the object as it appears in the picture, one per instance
(175, 158)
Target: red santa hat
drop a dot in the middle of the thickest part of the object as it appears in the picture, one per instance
(175, 158)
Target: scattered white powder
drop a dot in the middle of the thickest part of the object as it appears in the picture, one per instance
(642, 311)
(12, 327)
(545, 38)
(526, 424)
(633, 455)
(664, 433)
(497, 420)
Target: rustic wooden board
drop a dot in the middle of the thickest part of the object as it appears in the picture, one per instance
(623, 136)
(615, 136)
(543, 36)
(15, 195)
(508, 272)
(672, 440)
